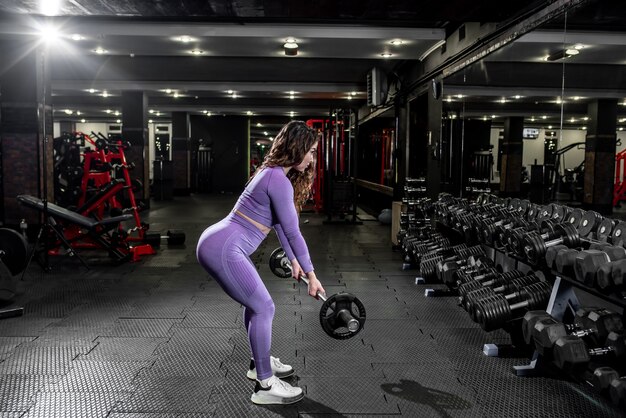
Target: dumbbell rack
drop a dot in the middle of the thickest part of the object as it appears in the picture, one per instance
(563, 304)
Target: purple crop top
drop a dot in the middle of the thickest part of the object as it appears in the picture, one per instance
(268, 199)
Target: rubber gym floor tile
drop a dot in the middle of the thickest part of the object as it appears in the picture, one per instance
(74, 404)
(154, 311)
(8, 344)
(387, 330)
(124, 349)
(358, 276)
(413, 351)
(227, 405)
(470, 337)
(201, 366)
(140, 327)
(92, 376)
(513, 396)
(171, 395)
(17, 390)
(429, 390)
(159, 415)
(211, 319)
(24, 326)
(351, 395)
(41, 360)
(325, 367)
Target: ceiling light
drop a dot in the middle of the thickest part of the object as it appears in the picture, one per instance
(532, 119)
(502, 100)
(150, 121)
(158, 113)
(258, 124)
(100, 51)
(108, 111)
(586, 118)
(572, 120)
(151, 111)
(265, 133)
(584, 128)
(168, 91)
(175, 95)
(78, 113)
(105, 94)
(579, 46)
(493, 116)
(562, 53)
(622, 120)
(353, 93)
(386, 54)
(290, 47)
(184, 39)
(197, 51)
(118, 121)
(49, 34)
(82, 121)
(117, 113)
(77, 37)
(68, 111)
(234, 96)
(249, 113)
(396, 42)
(549, 126)
(620, 129)
(230, 92)
(544, 117)
(209, 113)
(460, 96)
(349, 97)
(517, 96)
(92, 91)
(558, 100)
(271, 138)
(292, 113)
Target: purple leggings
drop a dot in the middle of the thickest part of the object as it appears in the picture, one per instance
(224, 250)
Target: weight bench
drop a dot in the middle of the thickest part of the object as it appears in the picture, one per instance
(96, 230)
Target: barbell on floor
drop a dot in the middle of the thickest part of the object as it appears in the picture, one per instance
(342, 315)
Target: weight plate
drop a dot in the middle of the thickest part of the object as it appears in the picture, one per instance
(558, 212)
(589, 223)
(13, 250)
(523, 207)
(575, 217)
(618, 236)
(342, 316)
(279, 263)
(605, 229)
(545, 212)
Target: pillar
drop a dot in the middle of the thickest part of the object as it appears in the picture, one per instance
(511, 163)
(135, 131)
(181, 152)
(600, 156)
(25, 130)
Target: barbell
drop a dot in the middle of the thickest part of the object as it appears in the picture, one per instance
(342, 315)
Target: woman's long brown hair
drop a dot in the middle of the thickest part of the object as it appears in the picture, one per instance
(289, 148)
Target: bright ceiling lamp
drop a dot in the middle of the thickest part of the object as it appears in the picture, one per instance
(290, 47)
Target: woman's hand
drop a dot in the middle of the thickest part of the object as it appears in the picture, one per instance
(314, 285)
(296, 270)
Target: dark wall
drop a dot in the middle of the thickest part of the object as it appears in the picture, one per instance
(228, 137)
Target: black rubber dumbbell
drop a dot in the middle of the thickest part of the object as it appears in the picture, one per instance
(535, 245)
(588, 262)
(572, 354)
(596, 323)
(610, 276)
(494, 311)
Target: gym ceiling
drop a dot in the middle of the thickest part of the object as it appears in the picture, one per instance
(228, 57)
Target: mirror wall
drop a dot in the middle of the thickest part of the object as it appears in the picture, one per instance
(547, 80)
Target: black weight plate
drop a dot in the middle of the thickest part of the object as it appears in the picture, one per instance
(618, 236)
(514, 204)
(13, 250)
(523, 207)
(589, 223)
(558, 212)
(335, 309)
(605, 228)
(279, 263)
(175, 237)
(545, 212)
(575, 217)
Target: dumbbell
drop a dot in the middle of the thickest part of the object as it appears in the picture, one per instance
(446, 268)
(588, 262)
(510, 290)
(593, 322)
(571, 353)
(495, 280)
(610, 276)
(606, 380)
(535, 247)
(551, 254)
(494, 311)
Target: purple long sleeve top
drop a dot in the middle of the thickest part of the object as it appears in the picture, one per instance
(268, 200)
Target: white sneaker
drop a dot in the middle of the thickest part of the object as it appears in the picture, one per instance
(279, 369)
(277, 392)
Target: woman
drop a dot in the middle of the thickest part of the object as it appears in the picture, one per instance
(271, 198)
